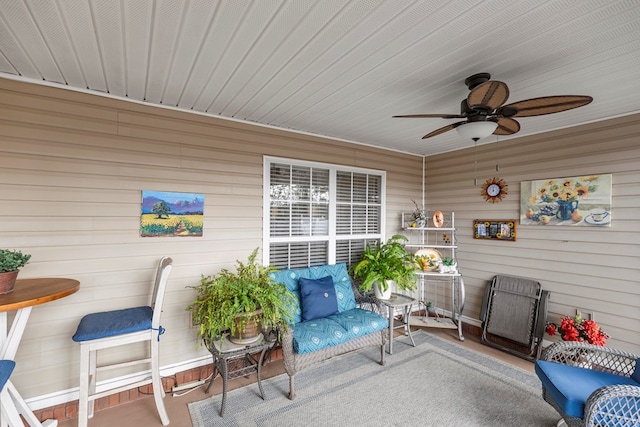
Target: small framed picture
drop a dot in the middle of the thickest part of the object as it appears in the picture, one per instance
(499, 229)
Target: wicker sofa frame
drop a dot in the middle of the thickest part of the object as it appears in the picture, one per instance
(294, 362)
(617, 404)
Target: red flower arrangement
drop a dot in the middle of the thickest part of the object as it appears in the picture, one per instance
(577, 329)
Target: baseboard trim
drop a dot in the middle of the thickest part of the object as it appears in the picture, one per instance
(65, 396)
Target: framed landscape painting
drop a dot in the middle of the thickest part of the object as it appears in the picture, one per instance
(171, 214)
(571, 201)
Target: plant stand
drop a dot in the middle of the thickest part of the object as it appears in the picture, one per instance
(237, 360)
(404, 302)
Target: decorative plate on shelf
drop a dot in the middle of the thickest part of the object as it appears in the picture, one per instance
(428, 259)
(438, 219)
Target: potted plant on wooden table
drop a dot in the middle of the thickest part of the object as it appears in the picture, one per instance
(242, 303)
(384, 264)
(10, 264)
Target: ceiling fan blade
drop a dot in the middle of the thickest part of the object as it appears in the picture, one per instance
(443, 130)
(491, 94)
(506, 126)
(430, 116)
(544, 105)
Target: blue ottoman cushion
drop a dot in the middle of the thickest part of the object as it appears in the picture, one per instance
(112, 323)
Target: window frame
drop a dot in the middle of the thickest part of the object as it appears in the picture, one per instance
(332, 238)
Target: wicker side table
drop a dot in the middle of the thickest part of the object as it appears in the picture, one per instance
(236, 360)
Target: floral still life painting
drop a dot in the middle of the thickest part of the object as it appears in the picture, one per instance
(166, 214)
(573, 201)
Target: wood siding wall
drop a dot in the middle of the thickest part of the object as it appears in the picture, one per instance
(594, 270)
(72, 167)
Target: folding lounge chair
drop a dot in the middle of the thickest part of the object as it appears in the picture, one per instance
(515, 309)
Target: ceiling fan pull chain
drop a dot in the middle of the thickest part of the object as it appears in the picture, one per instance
(475, 164)
(497, 165)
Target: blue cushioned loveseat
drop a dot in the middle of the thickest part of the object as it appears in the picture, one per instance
(330, 318)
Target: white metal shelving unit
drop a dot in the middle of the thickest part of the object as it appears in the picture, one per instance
(445, 291)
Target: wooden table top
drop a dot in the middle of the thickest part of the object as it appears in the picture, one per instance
(30, 292)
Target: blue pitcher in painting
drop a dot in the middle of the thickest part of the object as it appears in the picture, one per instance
(566, 208)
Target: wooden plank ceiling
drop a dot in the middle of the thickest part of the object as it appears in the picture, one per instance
(337, 68)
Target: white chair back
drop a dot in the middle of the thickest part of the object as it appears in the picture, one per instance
(159, 286)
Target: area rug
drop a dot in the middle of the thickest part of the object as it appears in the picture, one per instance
(436, 383)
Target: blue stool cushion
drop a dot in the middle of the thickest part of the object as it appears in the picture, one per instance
(6, 368)
(318, 298)
(111, 323)
(571, 386)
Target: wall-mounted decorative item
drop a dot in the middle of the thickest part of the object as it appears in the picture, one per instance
(494, 189)
(166, 214)
(574, 201)
(498, 229)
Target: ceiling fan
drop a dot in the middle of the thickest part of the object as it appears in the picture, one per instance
(485, 113)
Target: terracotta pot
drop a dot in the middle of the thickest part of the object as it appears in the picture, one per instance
(8, 281)
(248, 328)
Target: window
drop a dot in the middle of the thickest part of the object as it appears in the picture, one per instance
(319, 213)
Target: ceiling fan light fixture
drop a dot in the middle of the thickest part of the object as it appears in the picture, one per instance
(474, 131)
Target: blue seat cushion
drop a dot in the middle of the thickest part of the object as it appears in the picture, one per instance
(6, 368)
(318, 298)
(358, 322)
(317, 334)
(571, 386)
(112, 323)
(341, 281)
(336, 329)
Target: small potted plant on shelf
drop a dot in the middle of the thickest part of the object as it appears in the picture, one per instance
(384, 264)
(418, 216)
(447, 265)
(10, 263)
(242, 303)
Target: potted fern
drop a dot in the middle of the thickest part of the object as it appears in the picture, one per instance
(384, 264)
(10, 264)
(241, 302)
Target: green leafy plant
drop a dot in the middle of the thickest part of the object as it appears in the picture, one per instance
(386, 261)
(221, 298)
(12, 260)
(448, 261)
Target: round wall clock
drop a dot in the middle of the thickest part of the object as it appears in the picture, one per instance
(494, 189)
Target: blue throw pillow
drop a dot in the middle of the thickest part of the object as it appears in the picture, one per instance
(318, 298)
